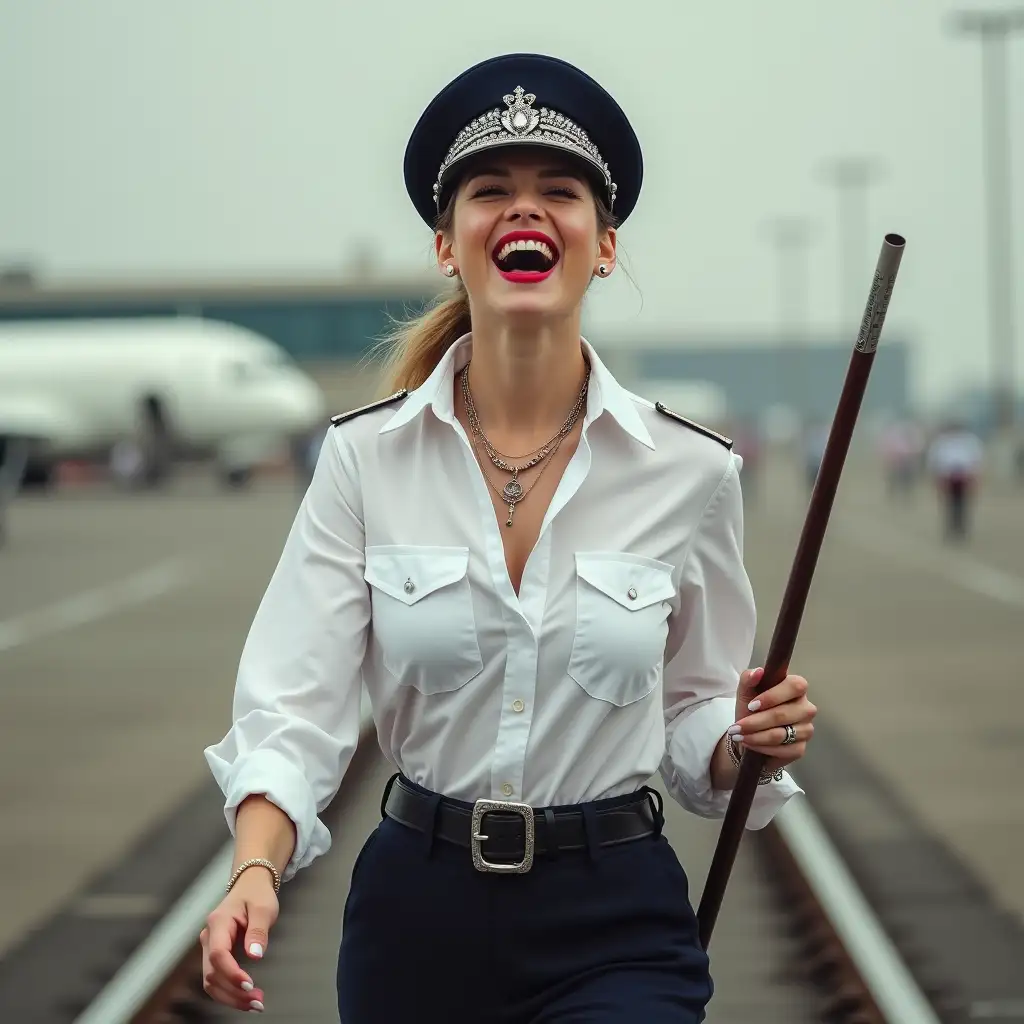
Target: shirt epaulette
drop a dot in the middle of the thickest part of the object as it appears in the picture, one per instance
(706, 431)
(344, 417)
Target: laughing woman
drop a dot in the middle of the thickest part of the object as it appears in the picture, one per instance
(538, 577)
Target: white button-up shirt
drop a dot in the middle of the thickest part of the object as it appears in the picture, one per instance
(620, 655)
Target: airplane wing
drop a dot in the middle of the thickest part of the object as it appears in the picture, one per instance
(36, 417)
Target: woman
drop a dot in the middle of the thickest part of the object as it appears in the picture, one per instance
(538, 577)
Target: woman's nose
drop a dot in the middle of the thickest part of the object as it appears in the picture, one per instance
(524, 208)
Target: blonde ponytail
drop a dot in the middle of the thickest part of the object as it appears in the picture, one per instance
(415, 347)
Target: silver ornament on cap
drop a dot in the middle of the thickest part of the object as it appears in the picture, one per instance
(522, 122)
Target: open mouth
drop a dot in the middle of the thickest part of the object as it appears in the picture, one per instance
(525, 256)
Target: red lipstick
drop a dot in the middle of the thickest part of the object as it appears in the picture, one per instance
(525, 276)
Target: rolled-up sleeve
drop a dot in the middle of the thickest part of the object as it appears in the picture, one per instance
(296, 708)
(710, 643)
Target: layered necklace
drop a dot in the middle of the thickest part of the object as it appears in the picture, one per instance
(513, 492)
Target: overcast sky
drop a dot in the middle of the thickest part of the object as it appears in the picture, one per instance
(233, 137)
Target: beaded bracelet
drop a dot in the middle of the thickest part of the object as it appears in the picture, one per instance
(254, 862)
(765, 777)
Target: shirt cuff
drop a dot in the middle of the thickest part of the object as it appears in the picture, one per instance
(686, 767)
(270, 773)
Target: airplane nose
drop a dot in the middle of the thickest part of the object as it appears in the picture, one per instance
(307, 403)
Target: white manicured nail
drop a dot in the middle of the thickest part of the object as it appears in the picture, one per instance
(255, 949)
(247, 986)
(753, 705)
(256, 1005)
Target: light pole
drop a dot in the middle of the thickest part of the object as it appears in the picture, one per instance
(993, 28)
(791, 238)
(852, 175)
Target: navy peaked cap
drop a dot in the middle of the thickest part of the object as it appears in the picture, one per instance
(523, 99)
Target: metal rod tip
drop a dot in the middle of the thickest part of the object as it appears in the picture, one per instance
(893, 239)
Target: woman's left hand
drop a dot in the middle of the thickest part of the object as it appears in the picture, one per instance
(761, 719)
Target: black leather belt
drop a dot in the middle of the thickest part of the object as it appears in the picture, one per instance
(504, 836)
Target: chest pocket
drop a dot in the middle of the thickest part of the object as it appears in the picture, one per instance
(423, 618)
(622, 608)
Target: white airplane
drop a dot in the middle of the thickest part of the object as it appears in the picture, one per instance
(76, 388)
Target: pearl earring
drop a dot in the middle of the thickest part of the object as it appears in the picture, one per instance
(602, 269)
(450, 270)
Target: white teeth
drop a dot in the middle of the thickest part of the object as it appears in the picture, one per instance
(525, 244)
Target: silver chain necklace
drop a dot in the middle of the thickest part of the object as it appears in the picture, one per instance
(512, 493)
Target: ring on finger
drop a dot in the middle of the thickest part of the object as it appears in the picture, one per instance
(790, 735)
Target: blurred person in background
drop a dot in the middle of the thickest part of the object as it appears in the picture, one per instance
(305, 451)
(13, 460)
(538, 632)
(955, 457)
(901, 447)
(127, 463)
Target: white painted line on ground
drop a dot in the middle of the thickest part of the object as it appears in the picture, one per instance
(877, 960)
(95, 603)
(145, 970)
(959, 567)
(164, 948)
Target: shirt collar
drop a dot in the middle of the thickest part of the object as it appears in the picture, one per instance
(437, 391)
(611, 397)
(605, 393)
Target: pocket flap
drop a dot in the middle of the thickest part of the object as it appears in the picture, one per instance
(632, 581)
(409, 572)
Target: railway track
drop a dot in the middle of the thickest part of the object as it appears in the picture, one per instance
(795, 942)
(922, 810)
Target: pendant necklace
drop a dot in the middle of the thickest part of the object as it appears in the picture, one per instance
(513, 492)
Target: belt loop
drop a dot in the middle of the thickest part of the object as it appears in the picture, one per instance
(434, 801)
(590, 829)
(657, 808)
(550, 836)
(387, 793)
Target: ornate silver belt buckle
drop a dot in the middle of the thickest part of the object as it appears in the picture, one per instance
(525, 811)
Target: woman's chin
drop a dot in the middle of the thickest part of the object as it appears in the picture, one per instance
(531, 301)
(528, 311)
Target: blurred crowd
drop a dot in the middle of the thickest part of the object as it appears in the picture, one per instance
(948, 455)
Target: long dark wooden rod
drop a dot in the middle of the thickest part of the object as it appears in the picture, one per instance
(783, 641)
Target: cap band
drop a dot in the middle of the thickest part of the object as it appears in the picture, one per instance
(522, 123)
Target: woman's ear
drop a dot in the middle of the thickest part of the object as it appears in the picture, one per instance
(606, 248)
(443, 246)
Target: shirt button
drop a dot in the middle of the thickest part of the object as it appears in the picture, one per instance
(518, 705)
(507, 789)
(409, 586)
(631, 593)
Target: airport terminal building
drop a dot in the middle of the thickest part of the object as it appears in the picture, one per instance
(330, 324)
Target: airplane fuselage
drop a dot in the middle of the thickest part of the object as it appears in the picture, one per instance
(78, 387)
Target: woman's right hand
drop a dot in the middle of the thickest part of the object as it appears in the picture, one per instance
(243, 918)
